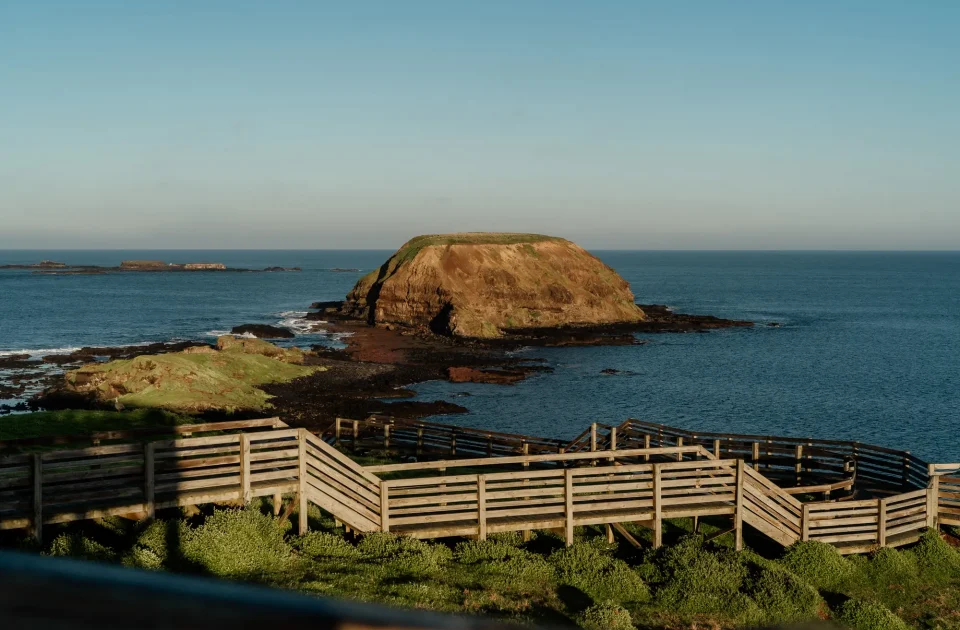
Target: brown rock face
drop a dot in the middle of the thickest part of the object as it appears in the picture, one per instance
(483, 284)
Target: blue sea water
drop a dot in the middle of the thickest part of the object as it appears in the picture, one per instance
(868, 347)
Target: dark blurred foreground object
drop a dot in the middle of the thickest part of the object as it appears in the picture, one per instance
(42, 593)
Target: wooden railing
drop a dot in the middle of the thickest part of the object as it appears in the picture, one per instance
(769, 509)
(95, 438)
(421, 438)
(67, 485)
(601, 480)
(339, 485)
(797, 461)
(945, 478)
(483, 503)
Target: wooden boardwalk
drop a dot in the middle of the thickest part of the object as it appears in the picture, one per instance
(496, 482)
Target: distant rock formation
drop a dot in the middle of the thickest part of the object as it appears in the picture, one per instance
(205, 266)
(140, 265)
(481, 285)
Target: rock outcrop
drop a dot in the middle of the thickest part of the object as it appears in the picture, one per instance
(197, 379)
(482, 285)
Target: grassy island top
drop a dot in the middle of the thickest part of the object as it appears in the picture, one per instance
(412, 247)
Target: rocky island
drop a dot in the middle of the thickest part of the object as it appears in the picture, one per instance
(483, 285)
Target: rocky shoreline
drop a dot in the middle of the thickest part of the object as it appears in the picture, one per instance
(371, 374)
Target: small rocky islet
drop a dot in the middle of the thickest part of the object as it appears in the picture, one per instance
(51, 267)
(442, 307)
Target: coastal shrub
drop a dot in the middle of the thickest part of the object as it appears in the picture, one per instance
(819, 564)
(324, 545)
(503, 567)
(889, 567)
(859, 614)
(605, 616)
(935, 558)
(474, 551)
(152, 547)
(782, 596)
(591, 567)
(404, 553)
(238, 544)
(76, 545)
(695, 579)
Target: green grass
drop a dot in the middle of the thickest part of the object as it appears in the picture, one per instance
(80, 422)
(411, 248)
(189, 382)
(685, 584)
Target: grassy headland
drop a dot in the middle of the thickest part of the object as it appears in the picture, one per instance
(195, 380)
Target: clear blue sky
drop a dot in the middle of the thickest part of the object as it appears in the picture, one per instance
(317, 124)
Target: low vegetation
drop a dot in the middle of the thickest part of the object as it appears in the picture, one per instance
(84, 422)
(595, 585)
(195, 380)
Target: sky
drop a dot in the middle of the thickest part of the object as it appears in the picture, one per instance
(617, 124)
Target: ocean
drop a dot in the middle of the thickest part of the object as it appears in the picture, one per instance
(867, 347)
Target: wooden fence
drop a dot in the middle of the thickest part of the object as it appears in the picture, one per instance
(797, 461)
(600, 479)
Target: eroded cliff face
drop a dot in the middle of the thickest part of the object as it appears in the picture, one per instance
(482, 284)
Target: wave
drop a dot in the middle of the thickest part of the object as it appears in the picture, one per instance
(38, 351)
(299, 324)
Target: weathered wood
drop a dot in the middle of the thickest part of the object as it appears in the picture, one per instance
(149, 487)
(568, 506)
(481, 508)
(657, 508)
(38, 497)
(384, 507)
(738, 514)
(302, 482)
(933, 501)
(245, 468)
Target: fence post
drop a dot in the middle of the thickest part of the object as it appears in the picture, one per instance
(38, 497)
(149, 504)
(756, 455)
(593, 437)
(302, 479)
(798, 467)
(881, 522)
(716, 449)
(419, 440)
(646, 444)
(336, 432)
(356, 434)
(738, 510)
(453, 442)
(613, 439)
(384, 507)
(680, 445)
(657, 509)
(805, 522)
(933, 497)
(386, 435)
(906, 470)
(481, 507)
(245, 468)
(568, 506)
